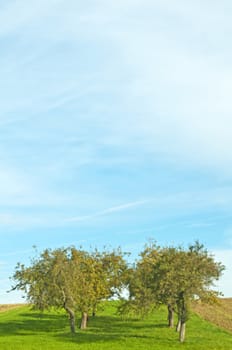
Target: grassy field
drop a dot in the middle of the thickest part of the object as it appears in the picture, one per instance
(24, 329)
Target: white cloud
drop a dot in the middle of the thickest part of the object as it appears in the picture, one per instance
(18, 188)
(10, 182)
(15, 14)
(224, 284)
(188, 95)
(171, 75)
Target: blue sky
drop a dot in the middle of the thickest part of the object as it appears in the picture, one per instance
(115, 127)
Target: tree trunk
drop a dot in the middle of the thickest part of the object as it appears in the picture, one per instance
(182, 315)
(182, 332)
(178, 325)
(84, 320)
(71, 314)
(170, 316)
(94, 310)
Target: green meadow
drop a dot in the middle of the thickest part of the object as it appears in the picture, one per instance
(26, 329)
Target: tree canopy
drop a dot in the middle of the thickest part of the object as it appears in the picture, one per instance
(173, 276)
(73, 279)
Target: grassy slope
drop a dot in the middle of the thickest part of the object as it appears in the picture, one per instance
(6, 307)
(22, 329)
(220, 314)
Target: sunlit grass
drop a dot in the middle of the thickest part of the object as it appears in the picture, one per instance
(25, 329)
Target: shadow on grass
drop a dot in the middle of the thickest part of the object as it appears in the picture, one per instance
(107, 328)
(31, 323)
(101, 328)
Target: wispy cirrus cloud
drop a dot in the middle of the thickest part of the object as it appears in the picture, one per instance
(109, 211)
(176, 205)
(56, 210)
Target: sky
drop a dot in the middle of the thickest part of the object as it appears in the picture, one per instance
(115, 127)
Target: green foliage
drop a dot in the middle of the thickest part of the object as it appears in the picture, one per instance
(78, 281)
(72, 279)
(165, 273)
(173, 276)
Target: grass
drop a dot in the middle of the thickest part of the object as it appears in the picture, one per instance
(25, 329)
